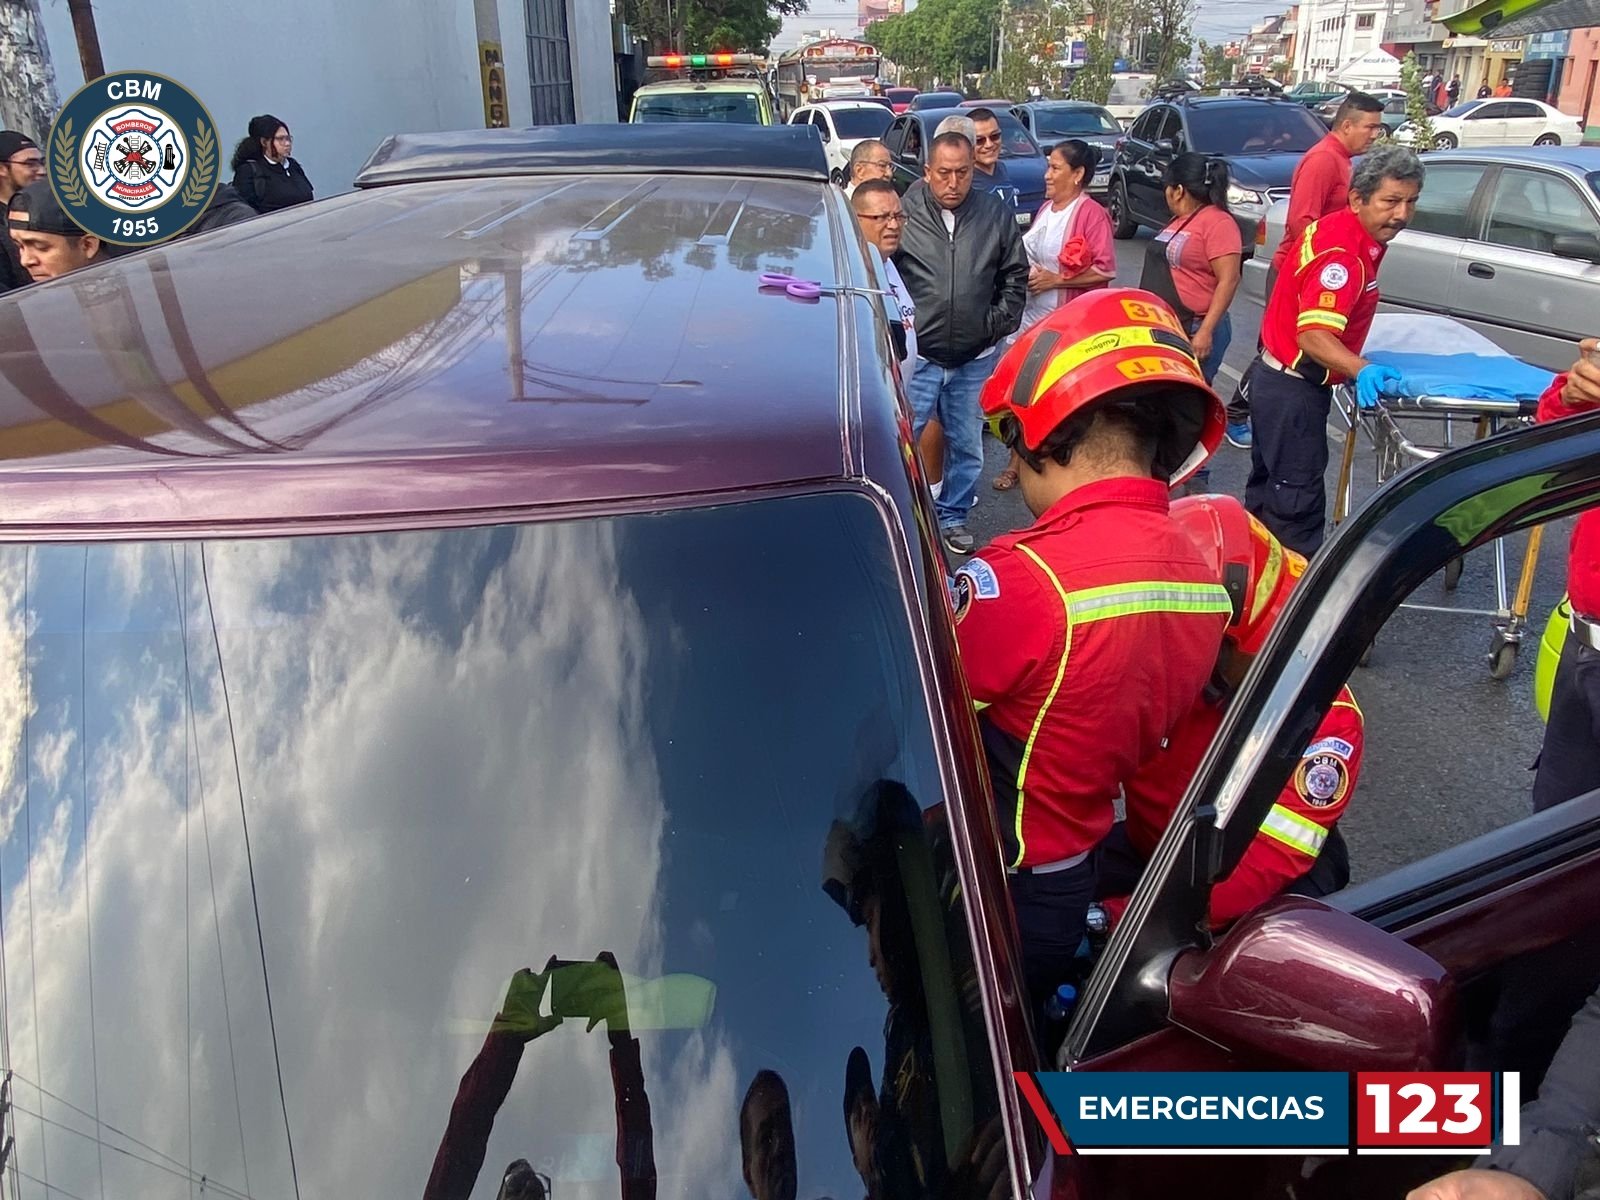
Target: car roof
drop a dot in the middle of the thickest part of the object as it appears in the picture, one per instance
(448, 344)
(1582, 159)
(1059, 104)
(702, 85)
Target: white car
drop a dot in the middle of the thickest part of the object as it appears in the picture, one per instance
(1498, 121)
(842, 124)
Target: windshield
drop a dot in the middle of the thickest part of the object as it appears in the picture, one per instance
(1074, 122)
(730, 108)
(1016, 141)
(312, 813)
(853, 71)
(1462, 109)
(862, 122)
(1253, 128)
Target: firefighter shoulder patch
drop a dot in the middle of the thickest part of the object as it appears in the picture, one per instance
(1322, 780)
(975, 580)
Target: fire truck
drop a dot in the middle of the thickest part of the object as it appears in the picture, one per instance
(832, 69)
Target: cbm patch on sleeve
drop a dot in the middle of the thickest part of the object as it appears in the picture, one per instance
(985, 583)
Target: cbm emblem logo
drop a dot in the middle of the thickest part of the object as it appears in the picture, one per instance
(134, 158)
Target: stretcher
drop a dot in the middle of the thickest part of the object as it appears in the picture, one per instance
(1447, 420)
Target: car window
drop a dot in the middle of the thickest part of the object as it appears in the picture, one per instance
(1489, 112)
(803, 117)
(1529, 209)
(1016, 142)
(727, 108)
(1253, 128)
(895, 138)
(1523, 111)
(1171, 126)
(1594, 182)
(415, 783)
(1395, 106)
(1443, 206)
(1144, 128)
(912, 151)
(1073, 122)
(1463, 109)
(861, 122)
(820, 120)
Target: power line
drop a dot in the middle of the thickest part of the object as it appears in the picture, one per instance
(49, 1187)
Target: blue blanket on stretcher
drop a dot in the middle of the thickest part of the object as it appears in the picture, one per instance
(1465, 376)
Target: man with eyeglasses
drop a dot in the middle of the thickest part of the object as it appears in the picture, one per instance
(878, 210)
(21, 163)
(869, 159)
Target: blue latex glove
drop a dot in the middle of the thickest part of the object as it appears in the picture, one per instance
(1376, 380)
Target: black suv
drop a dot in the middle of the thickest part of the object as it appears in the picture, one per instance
(1261, 141)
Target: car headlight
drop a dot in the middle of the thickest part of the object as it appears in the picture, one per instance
(1239, 195)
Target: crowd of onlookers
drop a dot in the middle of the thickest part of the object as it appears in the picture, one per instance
(968, 281)
(43, 241)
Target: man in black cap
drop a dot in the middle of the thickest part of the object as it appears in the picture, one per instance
(21, 163)
(48, 242)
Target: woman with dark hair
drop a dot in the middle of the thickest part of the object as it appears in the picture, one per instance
(1069, 244)
(1194, 262)
(263, 173)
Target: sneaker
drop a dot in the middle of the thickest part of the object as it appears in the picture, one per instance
(1238, 434)
(958, 541)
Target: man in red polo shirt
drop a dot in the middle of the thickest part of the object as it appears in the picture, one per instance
(1087, 636)
(1320, 185)
(1311, 338)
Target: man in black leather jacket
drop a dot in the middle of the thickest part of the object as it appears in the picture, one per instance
(962, 260)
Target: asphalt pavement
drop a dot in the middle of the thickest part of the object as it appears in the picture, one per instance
(1449, 749)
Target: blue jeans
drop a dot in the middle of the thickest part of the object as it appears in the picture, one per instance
(950, 395)
(1220, 340)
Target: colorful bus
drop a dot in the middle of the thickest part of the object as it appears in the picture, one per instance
(835, 68)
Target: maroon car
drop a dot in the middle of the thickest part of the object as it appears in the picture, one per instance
(523, 746)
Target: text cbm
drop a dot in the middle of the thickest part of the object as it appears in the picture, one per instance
(133, 89)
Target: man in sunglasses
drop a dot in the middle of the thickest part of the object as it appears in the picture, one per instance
(988, 172)
(21, 163)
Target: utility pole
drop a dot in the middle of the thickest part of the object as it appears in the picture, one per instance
(94, 65)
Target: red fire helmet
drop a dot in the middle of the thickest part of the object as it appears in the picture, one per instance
(1258, 570)
(1119, 343)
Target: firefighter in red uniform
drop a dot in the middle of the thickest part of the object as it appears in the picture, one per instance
(1087, 636)
(1312, 335)
(1297, 847)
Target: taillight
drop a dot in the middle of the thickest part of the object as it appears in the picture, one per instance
(1261, 233)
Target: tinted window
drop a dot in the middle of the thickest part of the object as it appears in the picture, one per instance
(1394, 107)
(801, 118)
(1523, 111)
(895, 138)
(861, 122)
(728, 108)
(1145, 127)
(1253, 128)
(1594, 182)
(1530, 208)
(1461, 110)
(1442, 206)
(1073, 122)
(1016, 141)
(401, 777)
(1490, 112)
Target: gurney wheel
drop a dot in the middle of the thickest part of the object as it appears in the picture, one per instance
(1452, 574)
(1503, 660)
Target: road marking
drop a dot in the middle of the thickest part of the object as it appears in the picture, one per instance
(1225, 369)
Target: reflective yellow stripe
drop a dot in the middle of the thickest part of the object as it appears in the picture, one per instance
(1351, 704)
(1332, 320)
(1306, 253)
(1153, 596)
(979, 705)
(1293, 830)
(1082, 351)
(1061, 673)
(1268, 583)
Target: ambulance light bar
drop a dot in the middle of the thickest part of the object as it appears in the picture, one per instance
(702, 60)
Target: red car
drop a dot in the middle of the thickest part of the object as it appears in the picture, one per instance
(523, 744)
(900, 98)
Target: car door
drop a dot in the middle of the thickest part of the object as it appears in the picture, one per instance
(1485, 125)
(1525, 123)
(1146, 198)
(905, 147)
(1511, 284)
(1419, 268)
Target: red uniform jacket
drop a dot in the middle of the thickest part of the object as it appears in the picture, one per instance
(1290, 839)
(1583, 565)
(1330, 282)
(1320, 185)
(1085, 639)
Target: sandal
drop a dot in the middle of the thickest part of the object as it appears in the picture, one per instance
(1005, 481)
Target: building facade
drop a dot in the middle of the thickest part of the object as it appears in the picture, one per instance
(1333, 33)
(344, 76)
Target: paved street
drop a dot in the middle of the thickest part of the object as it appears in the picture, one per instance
(1448, 748)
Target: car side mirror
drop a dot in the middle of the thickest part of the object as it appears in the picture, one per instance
(1166, 146)
(1313, 987)
(1584, 247)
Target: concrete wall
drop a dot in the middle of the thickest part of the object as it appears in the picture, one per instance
(1583, 57)
(342, 75)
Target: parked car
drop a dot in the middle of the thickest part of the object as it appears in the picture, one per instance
(1261, 141)
(1052, 121)
(1506, 241)
(710, 101)
(842, 124)
(436, 591)
(900, 98)
(945, 99)
(997, 105)
(1495, 122)
(1392, 100)
(1314, 92)
(1253, 85)
(912, 132)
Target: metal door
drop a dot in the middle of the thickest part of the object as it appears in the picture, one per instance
(550, 63)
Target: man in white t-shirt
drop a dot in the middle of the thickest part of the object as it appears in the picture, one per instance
(877, 208)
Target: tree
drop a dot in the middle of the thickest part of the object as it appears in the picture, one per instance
(705, 25)
(1038, 37)
(1416, 104)
(1214, 63)
(1167, 26)
(948, 38)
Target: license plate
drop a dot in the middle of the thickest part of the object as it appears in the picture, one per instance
(1024, 218)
